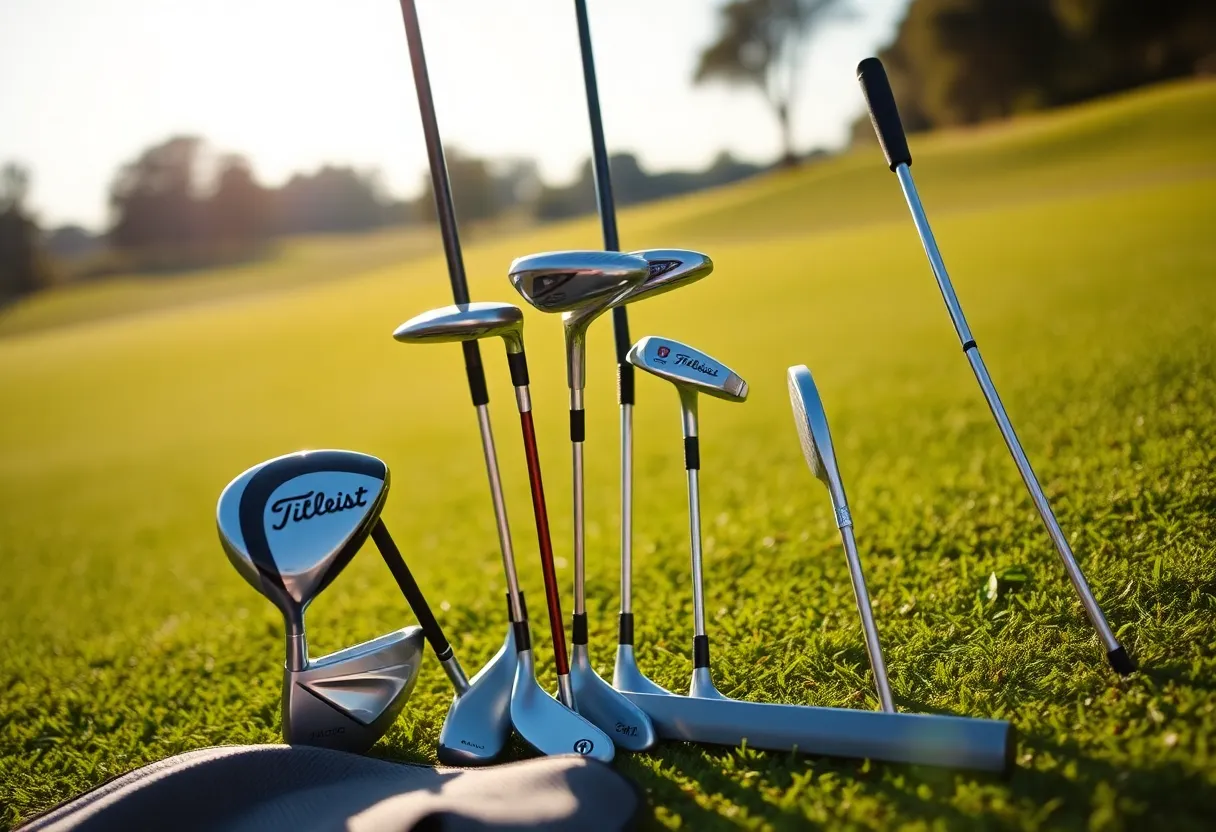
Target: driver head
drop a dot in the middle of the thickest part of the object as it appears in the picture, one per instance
(291, 524)
(690, 370)
(568, 281)
(812, 424)
(670, 268)
(466, 322)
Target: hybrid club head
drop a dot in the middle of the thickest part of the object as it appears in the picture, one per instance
(670, 268)
(291, 524)
(687, 368)
(478, 722)
(549, 726)
(465, 322)
(565, 281)
(604, 705)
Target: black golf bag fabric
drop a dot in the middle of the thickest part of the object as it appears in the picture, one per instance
(276, 788)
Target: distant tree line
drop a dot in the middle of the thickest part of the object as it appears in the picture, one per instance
(967, 61)
(23, 265)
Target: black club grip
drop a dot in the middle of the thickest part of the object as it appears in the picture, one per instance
(883, 112)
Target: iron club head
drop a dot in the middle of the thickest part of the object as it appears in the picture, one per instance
(812, 423)
(466, 322)
(687, 368)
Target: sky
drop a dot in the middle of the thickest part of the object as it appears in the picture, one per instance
(87, 85)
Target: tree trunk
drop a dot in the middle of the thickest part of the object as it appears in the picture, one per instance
(789, 158)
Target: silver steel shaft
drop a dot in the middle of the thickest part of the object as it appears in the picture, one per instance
(873, 646)
(500, 511)
(998, 412)
(694, 533)
(626, 508)
(580, 596)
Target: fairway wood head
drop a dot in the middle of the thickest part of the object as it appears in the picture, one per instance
(347, 700)
(291, 524)
(687, 368)
(606, 707)
(670, 268)
(626, 676)
(465, 322)
(812, 423)
(478, 723)
(549, 726)
(564, 281)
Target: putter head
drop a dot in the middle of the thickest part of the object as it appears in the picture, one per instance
(549, 726)
(566, 281)
(291, 524)
(606, 707)
(670, 268)
(627, 677)
(347, 700)
(688, 369)
(812, 424)
(466, 322)
(478, 723)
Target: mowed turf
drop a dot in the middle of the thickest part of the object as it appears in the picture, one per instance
(1083, 247)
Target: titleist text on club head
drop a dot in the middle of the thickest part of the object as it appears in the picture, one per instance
(687, 367)
(561, 281)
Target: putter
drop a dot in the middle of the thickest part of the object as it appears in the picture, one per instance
(692, 372)
(890, 131)
(582, 285)
(290, 525)
(542, 722)
(812, 424)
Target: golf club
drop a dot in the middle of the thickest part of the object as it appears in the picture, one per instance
(290, 525)
(812, 424)
(541, 721)
(692, 372)
(885, 116)
(582, 285)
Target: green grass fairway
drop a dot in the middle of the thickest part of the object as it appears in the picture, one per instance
(1083, 247)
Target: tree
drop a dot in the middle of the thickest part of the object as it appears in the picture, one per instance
(154, 198)
(23, 266)
(238, 211)
(335, 198)
(761, 44)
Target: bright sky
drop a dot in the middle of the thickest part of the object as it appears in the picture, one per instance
(86, 85)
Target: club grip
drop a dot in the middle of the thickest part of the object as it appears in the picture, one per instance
(883, 112)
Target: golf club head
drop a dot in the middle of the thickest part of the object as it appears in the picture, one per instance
(478, 723)
(606, 707)
(702, 685)
(549, 726)
(627, 677)
(687, 368)
(670, 268)
(564, 281)
(812, 424)
(347, 700)
(292, 523)
(465, 322)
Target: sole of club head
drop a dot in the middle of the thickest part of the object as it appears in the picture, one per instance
(549, 726)
(347, 700)
(478, 724)
(607, 708)
(627, 677)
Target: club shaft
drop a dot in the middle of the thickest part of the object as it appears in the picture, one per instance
(500, 511)
(627, 508)
(694, 535)
(873, 646)
(548, 570)
(580, 529)
(1075, 574)
(422, 610)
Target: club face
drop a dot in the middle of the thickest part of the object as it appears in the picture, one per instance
(464, 322)
(478, 723)
(347, 700)
(291, 524)
(687, 368)
(566, 281)
(549, 726)
(670, 268)
(812, 423)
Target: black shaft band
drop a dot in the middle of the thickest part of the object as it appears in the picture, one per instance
(692, 453)
(578, 425)
(519, 368)
(523, 605)
(625, 632)
(476, 373)
(580, 628)
(970, 345)
(700, 651)
(523, 636)
(624, 383)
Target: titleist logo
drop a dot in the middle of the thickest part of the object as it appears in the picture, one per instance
(683, 360)
(300, 507)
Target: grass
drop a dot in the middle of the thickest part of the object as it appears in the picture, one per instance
(1081, 245)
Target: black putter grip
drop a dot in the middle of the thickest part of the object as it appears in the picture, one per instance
(411, 591)
(883, 112)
